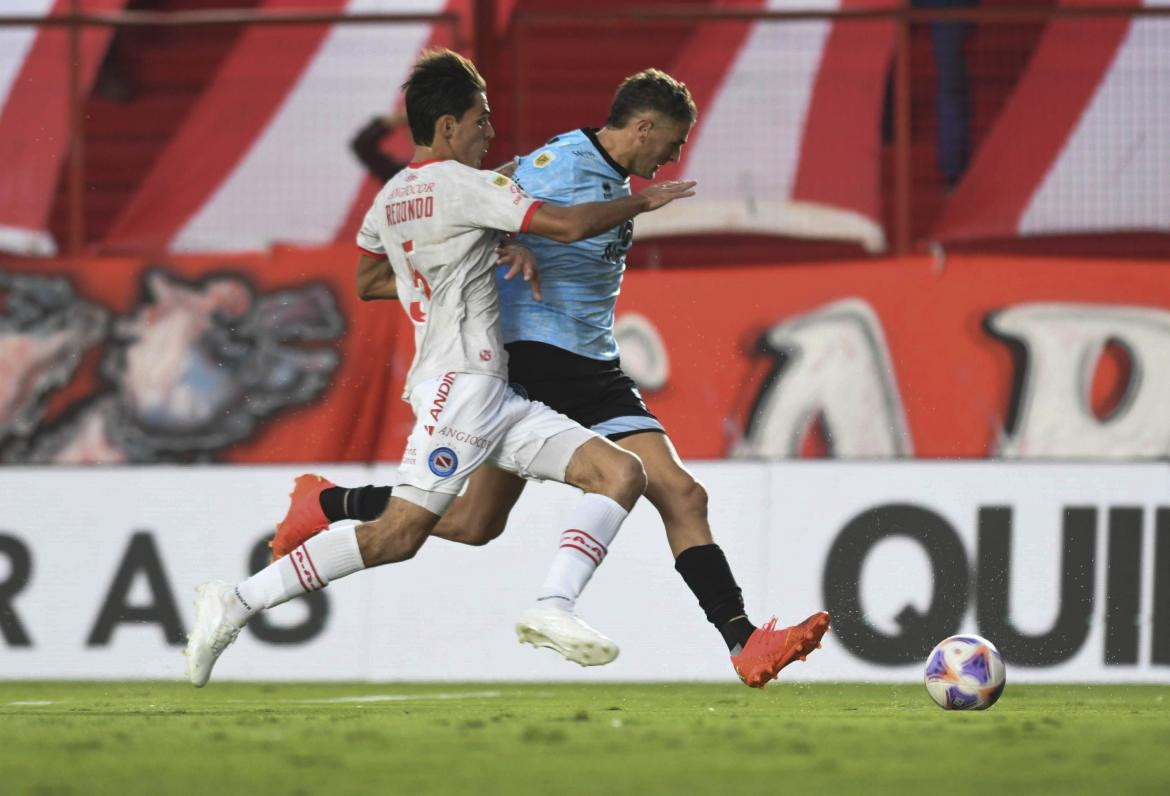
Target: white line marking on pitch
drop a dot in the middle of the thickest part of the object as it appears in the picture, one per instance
(401, 697)
(32, 703)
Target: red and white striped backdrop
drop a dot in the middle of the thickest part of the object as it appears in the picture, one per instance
(788, 139)
(34, 116)
(262, 157)
(1083, 145)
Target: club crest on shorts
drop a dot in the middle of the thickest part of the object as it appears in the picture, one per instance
(443, 462)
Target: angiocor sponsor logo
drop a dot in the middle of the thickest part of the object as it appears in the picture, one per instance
(443, 462)
(412, 190)
(467, 439)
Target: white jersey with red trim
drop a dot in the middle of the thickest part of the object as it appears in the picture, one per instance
(437, 221)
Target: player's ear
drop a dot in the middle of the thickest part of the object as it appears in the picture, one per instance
(445, 126)
(643, 126)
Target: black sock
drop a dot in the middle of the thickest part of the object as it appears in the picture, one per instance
(706, 572)
(363, 503)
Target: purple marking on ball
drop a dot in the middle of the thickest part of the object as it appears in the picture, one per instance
(968, 639)
(957, 699)
(937, 667)
(978, 667)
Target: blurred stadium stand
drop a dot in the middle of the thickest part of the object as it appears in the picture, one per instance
(147, 84)
(552, 66)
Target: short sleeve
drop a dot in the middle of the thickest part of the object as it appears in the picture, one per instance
(368, 239)
(490, 200)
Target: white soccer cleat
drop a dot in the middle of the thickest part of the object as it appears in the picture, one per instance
(550, 625)
(213, 631)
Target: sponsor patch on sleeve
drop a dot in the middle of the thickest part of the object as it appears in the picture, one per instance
(500, 181)
(543, 159)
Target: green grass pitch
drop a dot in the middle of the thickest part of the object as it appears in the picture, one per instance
(473, 738)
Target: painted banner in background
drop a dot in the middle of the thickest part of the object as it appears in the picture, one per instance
(250, 359)
(272, 358)
(1065, 567)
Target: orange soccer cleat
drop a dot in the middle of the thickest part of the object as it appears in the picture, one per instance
(305, 519)
(769, 650)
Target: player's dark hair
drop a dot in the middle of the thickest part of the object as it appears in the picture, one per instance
(441, 83)
(651, 90)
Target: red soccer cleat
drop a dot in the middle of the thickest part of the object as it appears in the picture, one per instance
(769, 650)
(305, 519)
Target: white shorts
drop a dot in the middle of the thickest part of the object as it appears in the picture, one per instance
(465, 419)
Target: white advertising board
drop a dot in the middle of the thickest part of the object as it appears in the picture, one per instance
(1066, 567)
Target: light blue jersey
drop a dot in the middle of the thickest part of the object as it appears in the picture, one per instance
(580, 281)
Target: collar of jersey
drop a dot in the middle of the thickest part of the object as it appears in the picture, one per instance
(591, 134)
(422, 163)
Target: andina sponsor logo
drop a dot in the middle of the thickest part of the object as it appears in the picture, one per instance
(441, 394)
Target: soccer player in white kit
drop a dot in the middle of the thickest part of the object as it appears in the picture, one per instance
(438, 221)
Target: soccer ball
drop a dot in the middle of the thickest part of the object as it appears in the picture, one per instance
(965, 673)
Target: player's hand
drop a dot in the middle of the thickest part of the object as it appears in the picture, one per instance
(663, 193)
(521, 261)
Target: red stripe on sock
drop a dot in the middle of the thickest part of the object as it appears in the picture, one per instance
(297, 568)
(604, 549)
(587, 553)
(313, 567)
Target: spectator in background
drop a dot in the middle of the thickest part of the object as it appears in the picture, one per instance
(952, 95)
(366, 145)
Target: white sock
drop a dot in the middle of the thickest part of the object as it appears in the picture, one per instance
(592, 527)
(310, 567)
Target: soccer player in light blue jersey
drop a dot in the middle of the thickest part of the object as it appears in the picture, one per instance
(562, 352)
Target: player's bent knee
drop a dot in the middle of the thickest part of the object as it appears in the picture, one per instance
(475, 528)
(679, 499)
(479, 535)
(625, 478)
(636, 475)
(493, 529)
(602, 468)
(692, 499)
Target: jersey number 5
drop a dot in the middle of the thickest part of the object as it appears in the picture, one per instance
(417, 310)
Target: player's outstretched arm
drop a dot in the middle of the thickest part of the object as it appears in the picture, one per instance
(577, 222)
(375, 279)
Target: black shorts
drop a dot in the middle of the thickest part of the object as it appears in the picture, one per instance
(594, 392)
